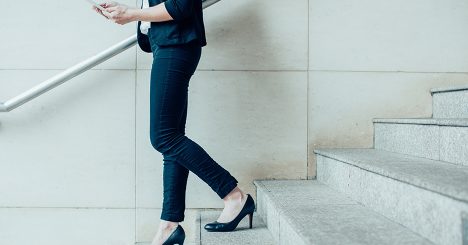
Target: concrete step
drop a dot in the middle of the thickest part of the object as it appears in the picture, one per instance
(450, 102)
(438, 139)
(304, 212)
(427, 196)
(259, 234)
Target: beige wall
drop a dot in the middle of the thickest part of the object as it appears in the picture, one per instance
(277, 80)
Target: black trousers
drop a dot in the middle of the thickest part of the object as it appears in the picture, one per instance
(172, 68)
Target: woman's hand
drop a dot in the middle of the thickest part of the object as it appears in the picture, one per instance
(119, 13)
(98, 11)
(123, 14)
(104, 5)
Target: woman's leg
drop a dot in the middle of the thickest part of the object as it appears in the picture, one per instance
(170, 76)
(174, 191)
(173, 170)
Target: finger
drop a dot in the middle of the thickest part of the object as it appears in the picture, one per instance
(112, 9)
(103, 15)
(113, 15)
(98, 11)
(110, 4)
(107, 15)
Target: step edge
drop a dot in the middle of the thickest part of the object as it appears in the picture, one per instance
(449, 89)
(453, 122)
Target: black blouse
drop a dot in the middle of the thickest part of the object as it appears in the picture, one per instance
(187, 24)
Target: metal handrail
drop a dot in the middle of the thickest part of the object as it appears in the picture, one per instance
(75, 70)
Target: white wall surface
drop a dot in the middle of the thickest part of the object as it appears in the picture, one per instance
(277, 80)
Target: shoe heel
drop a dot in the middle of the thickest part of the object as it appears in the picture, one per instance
(250, 220)
(182, 241)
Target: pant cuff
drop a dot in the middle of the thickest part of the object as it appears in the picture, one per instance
(172, 217)
(225, 190)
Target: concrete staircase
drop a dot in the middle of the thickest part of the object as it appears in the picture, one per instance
(411, 188)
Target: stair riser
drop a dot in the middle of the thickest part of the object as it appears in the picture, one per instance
(444, 143)
(281, 230)
(265, 210)
(450, 104)
(436, 217)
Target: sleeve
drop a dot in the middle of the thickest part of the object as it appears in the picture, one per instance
(179, 9)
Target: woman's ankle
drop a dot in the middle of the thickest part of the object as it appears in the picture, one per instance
(165, 224)
(235, 195)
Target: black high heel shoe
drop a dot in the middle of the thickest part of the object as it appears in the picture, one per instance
(176, 237)
(248, 208)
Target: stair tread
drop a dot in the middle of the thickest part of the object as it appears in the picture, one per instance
(441, 177)
(321, 215)
(259, 234)
(457, 122)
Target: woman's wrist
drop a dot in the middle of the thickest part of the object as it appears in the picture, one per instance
(135, 14)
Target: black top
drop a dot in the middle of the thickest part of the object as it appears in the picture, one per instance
(187, 24)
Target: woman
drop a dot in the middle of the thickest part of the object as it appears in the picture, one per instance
(177, 35)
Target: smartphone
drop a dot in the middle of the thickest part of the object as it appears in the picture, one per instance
(96, 5)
